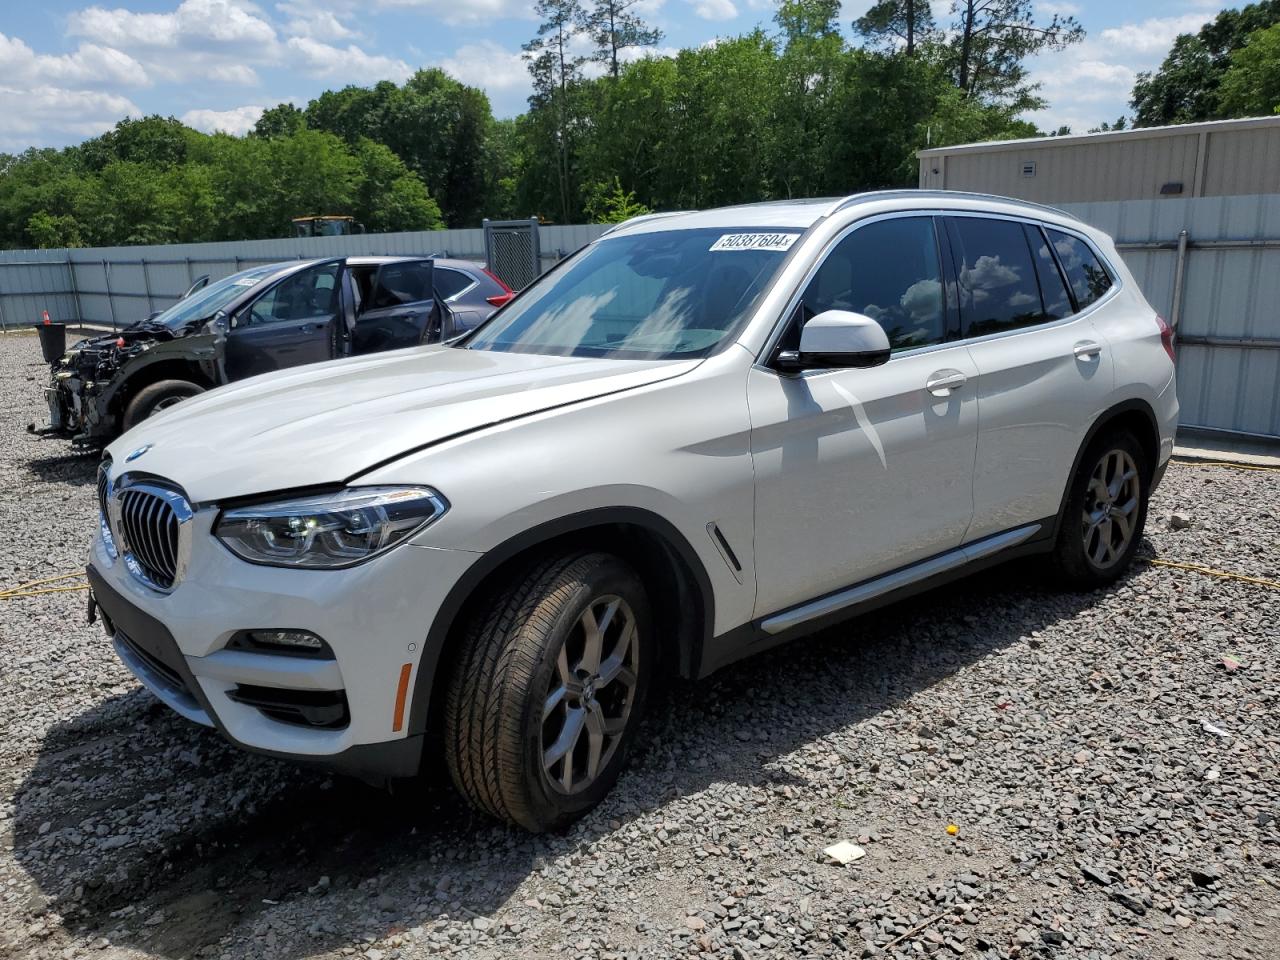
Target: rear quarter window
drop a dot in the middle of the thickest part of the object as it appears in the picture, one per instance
(998, 284)
(1088, 277)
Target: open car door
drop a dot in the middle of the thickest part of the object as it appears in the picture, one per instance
(398, 308)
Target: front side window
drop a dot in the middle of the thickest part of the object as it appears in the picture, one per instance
(310, 294)
(889, 271)
(1088, 277)
(647, 296)
(998, 285)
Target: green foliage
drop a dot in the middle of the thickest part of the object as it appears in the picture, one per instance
(282, 120)
(1251, 85)
(609, 203)
(1186, 87)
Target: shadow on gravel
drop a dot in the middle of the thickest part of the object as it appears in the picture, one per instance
(140, 827)
(76, 469)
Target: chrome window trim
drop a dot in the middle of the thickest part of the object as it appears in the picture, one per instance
(467, 289)
(1117, 281)
(183, 512)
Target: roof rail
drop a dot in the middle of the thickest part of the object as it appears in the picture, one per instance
(947, 194)
(644, 217)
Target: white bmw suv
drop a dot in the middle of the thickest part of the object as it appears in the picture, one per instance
(699, 436)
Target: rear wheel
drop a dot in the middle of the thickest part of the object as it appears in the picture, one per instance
(544, 701)
(1105, 513)
(158, 396)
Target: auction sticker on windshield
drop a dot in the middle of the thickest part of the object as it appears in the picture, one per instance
(755, 241)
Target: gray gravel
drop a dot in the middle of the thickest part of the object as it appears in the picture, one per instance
(1114, 782)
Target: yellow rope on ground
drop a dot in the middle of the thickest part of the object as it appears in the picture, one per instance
(1211, 572)
(24, 588)
(1225, 463)
(13, 595)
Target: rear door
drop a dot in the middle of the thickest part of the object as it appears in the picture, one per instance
(1045, 370)
(398, 307)
(291, 323)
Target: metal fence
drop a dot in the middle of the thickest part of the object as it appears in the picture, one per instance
(113, 286)
(1210, 265)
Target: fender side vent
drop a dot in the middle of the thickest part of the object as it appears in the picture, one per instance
(726, 551)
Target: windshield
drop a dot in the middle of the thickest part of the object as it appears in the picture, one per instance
(205, 303)
(648, 296)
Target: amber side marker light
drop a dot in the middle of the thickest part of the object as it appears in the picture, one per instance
(402, 690)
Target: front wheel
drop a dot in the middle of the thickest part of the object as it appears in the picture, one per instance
(158, 396)
(1105, 513)
(544, 700)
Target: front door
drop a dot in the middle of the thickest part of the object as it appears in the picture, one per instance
(1045, 370)
(399, 307)
(290, 324)
(862, 471)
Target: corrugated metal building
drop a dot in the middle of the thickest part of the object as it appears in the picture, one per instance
(1216, 159)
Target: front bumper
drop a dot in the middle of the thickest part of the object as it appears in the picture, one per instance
(375, 617)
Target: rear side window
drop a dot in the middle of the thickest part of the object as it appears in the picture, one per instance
(1053, 290)
(401, 283)
(998, 286)
(450, 283)
(888, 270)
(1088, 277)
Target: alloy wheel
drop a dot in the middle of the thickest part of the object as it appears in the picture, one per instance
(591, 695)
(1110, 508)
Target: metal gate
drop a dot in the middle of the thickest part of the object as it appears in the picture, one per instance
(512, 251)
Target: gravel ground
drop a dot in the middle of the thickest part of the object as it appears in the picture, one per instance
(1110, 763)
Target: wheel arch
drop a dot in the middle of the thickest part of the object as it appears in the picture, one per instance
(1135, 415)
(662, 556)
(164, 368)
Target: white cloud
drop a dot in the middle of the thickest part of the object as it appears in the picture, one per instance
(1050, 8)
(348, 64)
(199, 40)
(237, 121)
(91, 64)
(488, 65)
(42, 114)
(715, 9)
(1154, 35)
(317, 21)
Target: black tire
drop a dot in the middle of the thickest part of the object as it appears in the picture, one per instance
(495, 721)
(157, 396)
(1081, 560)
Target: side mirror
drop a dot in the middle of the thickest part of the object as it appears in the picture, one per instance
(838, 338)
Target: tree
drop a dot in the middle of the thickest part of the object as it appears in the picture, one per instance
(610, 203)
(282, 120)
(1185, 87)
(990, 41)
(557, 72)
(154, 141)
(894, 22)
(1251, 85)
(613, 27)
(389, 197)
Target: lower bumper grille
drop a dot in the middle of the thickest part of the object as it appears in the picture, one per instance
(326, 709)
(169, 674)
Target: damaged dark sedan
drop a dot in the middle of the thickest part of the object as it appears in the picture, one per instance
(262, 319)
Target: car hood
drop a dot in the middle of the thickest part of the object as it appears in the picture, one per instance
(328, 422)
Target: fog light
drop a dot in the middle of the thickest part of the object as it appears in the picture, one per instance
(296, 643)
(293, 639)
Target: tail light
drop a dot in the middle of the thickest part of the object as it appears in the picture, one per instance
(498, 299)
(1166, 336)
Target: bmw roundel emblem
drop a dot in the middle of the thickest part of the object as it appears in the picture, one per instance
(137, 453)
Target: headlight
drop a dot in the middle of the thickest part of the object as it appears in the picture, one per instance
(329, 530)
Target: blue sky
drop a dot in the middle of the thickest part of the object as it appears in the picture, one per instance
(70, 69)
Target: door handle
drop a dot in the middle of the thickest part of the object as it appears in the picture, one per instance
(944, 381)
(1088, 350)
